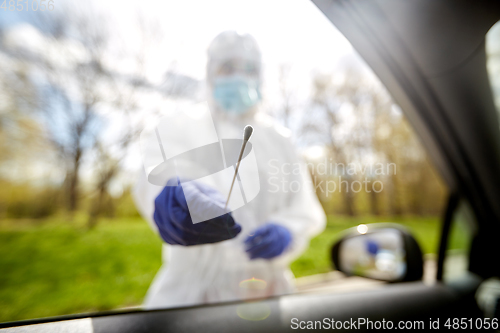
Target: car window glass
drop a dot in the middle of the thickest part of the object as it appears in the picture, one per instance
(79, 84)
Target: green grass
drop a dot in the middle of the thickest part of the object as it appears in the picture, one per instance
(56, 267)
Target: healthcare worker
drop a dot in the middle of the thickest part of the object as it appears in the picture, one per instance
(246, 253)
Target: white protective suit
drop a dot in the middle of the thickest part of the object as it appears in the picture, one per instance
(209, 273)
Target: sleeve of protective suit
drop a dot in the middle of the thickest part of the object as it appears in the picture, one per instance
(144, 195)
(303, 214)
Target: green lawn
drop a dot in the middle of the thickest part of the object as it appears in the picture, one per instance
(54, 268)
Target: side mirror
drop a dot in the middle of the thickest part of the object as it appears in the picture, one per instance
(381, 251)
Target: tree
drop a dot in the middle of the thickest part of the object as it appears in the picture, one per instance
(355, 119)
(344, 139)
(70, 88)
(287, 95)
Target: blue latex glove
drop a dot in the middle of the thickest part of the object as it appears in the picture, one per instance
(174, 220)
(268, 241)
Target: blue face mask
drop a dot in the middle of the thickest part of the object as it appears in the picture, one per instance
(235, 94)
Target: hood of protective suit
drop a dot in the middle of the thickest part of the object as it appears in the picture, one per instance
(233, 76)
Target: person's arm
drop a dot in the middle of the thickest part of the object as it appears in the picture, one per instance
(297, 219)
(303, 216)
(144, 195)
(172, 210)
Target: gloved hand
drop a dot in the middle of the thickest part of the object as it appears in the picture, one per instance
(268, 241)
(174, 220)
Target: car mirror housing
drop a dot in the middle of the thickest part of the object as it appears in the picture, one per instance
(380, 251)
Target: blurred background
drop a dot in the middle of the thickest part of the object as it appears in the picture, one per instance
(80, 80)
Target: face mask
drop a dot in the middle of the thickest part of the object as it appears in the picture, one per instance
(235, 94)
